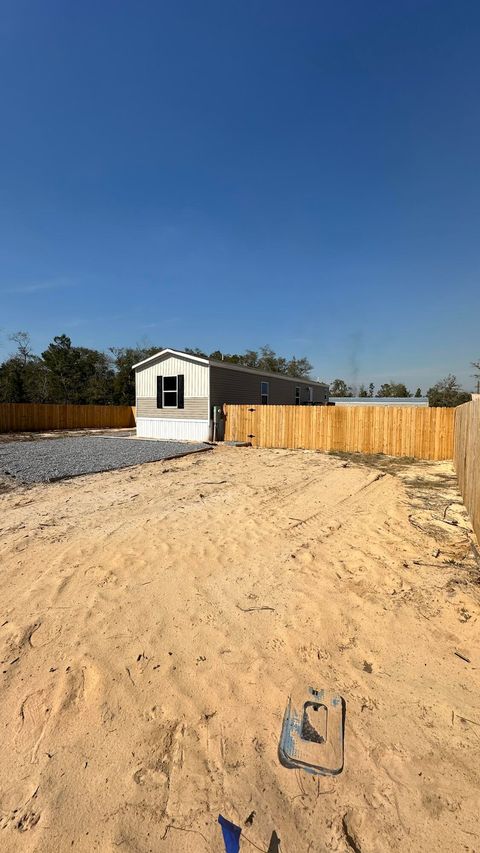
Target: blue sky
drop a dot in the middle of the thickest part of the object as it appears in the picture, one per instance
(226, 174)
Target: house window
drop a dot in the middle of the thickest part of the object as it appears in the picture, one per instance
(297, 395)
(310, 393)
(170, 392)
(264, 392)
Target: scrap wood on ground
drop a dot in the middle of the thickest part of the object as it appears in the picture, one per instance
(156, 619)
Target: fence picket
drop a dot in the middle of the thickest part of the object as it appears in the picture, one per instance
(467, 457)
(34, 417)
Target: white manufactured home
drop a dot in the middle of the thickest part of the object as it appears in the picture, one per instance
(177, 394)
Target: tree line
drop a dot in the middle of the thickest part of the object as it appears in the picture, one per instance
(65, 373)
(339, 388)
(446, 392)
(263, 359)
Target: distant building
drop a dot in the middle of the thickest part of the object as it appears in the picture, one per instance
(379, 401)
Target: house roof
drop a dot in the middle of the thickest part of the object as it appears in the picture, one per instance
(227, 365)
(379, 401)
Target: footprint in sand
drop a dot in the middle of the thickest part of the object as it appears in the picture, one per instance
(17, 639)
(39, 710)
(35, 712)
(44, 634)
(151, 777)
(80, 683)
(165, 745)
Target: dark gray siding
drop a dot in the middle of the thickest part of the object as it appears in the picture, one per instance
(228, 385)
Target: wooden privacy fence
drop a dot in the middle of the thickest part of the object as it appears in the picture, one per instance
(16, 417)
(467, 457)
(415, 431)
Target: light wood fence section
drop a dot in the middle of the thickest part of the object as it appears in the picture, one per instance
(467, 457)
(17, 417)
(419, 432)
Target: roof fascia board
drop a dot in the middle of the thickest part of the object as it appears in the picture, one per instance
(173, 352)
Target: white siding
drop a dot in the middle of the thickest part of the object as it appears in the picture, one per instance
(175, 429)
(196, 376)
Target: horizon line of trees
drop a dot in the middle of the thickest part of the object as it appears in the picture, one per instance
(446, 392)
(339, 388)
(65, 373)
(263, 359)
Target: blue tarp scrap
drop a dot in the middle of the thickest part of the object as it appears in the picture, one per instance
(231, 835)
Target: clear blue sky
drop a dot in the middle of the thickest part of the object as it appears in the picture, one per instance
(226, 174)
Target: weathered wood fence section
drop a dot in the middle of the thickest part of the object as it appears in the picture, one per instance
(422, 433)
(17, 417)
(467, 457)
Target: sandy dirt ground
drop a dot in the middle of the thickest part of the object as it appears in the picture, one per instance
(144, 687)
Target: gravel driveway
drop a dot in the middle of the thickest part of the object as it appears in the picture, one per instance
(45, 461)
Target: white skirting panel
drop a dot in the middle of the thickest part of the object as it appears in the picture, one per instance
(179, 429)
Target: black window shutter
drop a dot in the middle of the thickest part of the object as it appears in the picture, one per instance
(159, 392)
(181, 396)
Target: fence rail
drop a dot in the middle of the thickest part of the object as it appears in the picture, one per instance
(422, 433)
(467, 457)
(17, 417)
